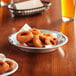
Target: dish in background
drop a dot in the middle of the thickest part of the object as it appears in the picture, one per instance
(62, 39)
(32, 11)
(12, 71)
(2, 56)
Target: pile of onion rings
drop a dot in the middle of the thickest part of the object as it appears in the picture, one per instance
(6, 66)
(35, 38)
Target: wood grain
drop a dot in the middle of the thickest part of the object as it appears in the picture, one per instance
(62, 62)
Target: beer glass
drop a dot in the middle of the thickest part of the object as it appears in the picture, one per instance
(68, 9)
(5, 2)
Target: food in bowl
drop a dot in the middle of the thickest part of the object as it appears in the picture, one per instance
(35, 38)
(6, 66)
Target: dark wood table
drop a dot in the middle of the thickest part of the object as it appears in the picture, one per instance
(61, 62)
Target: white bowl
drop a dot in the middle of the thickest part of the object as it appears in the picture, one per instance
(62, 39)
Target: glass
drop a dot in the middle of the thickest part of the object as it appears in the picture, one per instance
(68, 9)
(0, 2)
(5, 2)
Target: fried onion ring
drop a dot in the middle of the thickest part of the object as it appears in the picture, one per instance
(35, 31)
(43, 36)
(24, 36)
(30, 43)
(36, 41)
(49, 41)
(11, 65)
(3, 67)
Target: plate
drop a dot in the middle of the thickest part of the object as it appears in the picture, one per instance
(11, 72)
(62, 39)
(32, 11)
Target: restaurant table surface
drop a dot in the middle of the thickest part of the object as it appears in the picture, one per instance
(61, 62)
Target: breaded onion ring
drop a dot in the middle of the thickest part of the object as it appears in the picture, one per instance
(35, 31)
(24, 36)
(49, 41)
(36, 41)
(11, 65)
(43, 36)
(30, 43)
(3, 67)
(55, 40)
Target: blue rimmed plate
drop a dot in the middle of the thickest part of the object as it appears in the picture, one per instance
(62, 39)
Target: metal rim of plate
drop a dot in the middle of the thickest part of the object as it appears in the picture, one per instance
(53, 47)
(30, 11)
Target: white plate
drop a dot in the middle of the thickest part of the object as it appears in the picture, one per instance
(11, 72)
(62, 39)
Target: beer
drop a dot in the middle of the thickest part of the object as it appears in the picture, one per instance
(6, 1)
(68, 8)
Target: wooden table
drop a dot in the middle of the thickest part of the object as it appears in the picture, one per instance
(61, 62)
